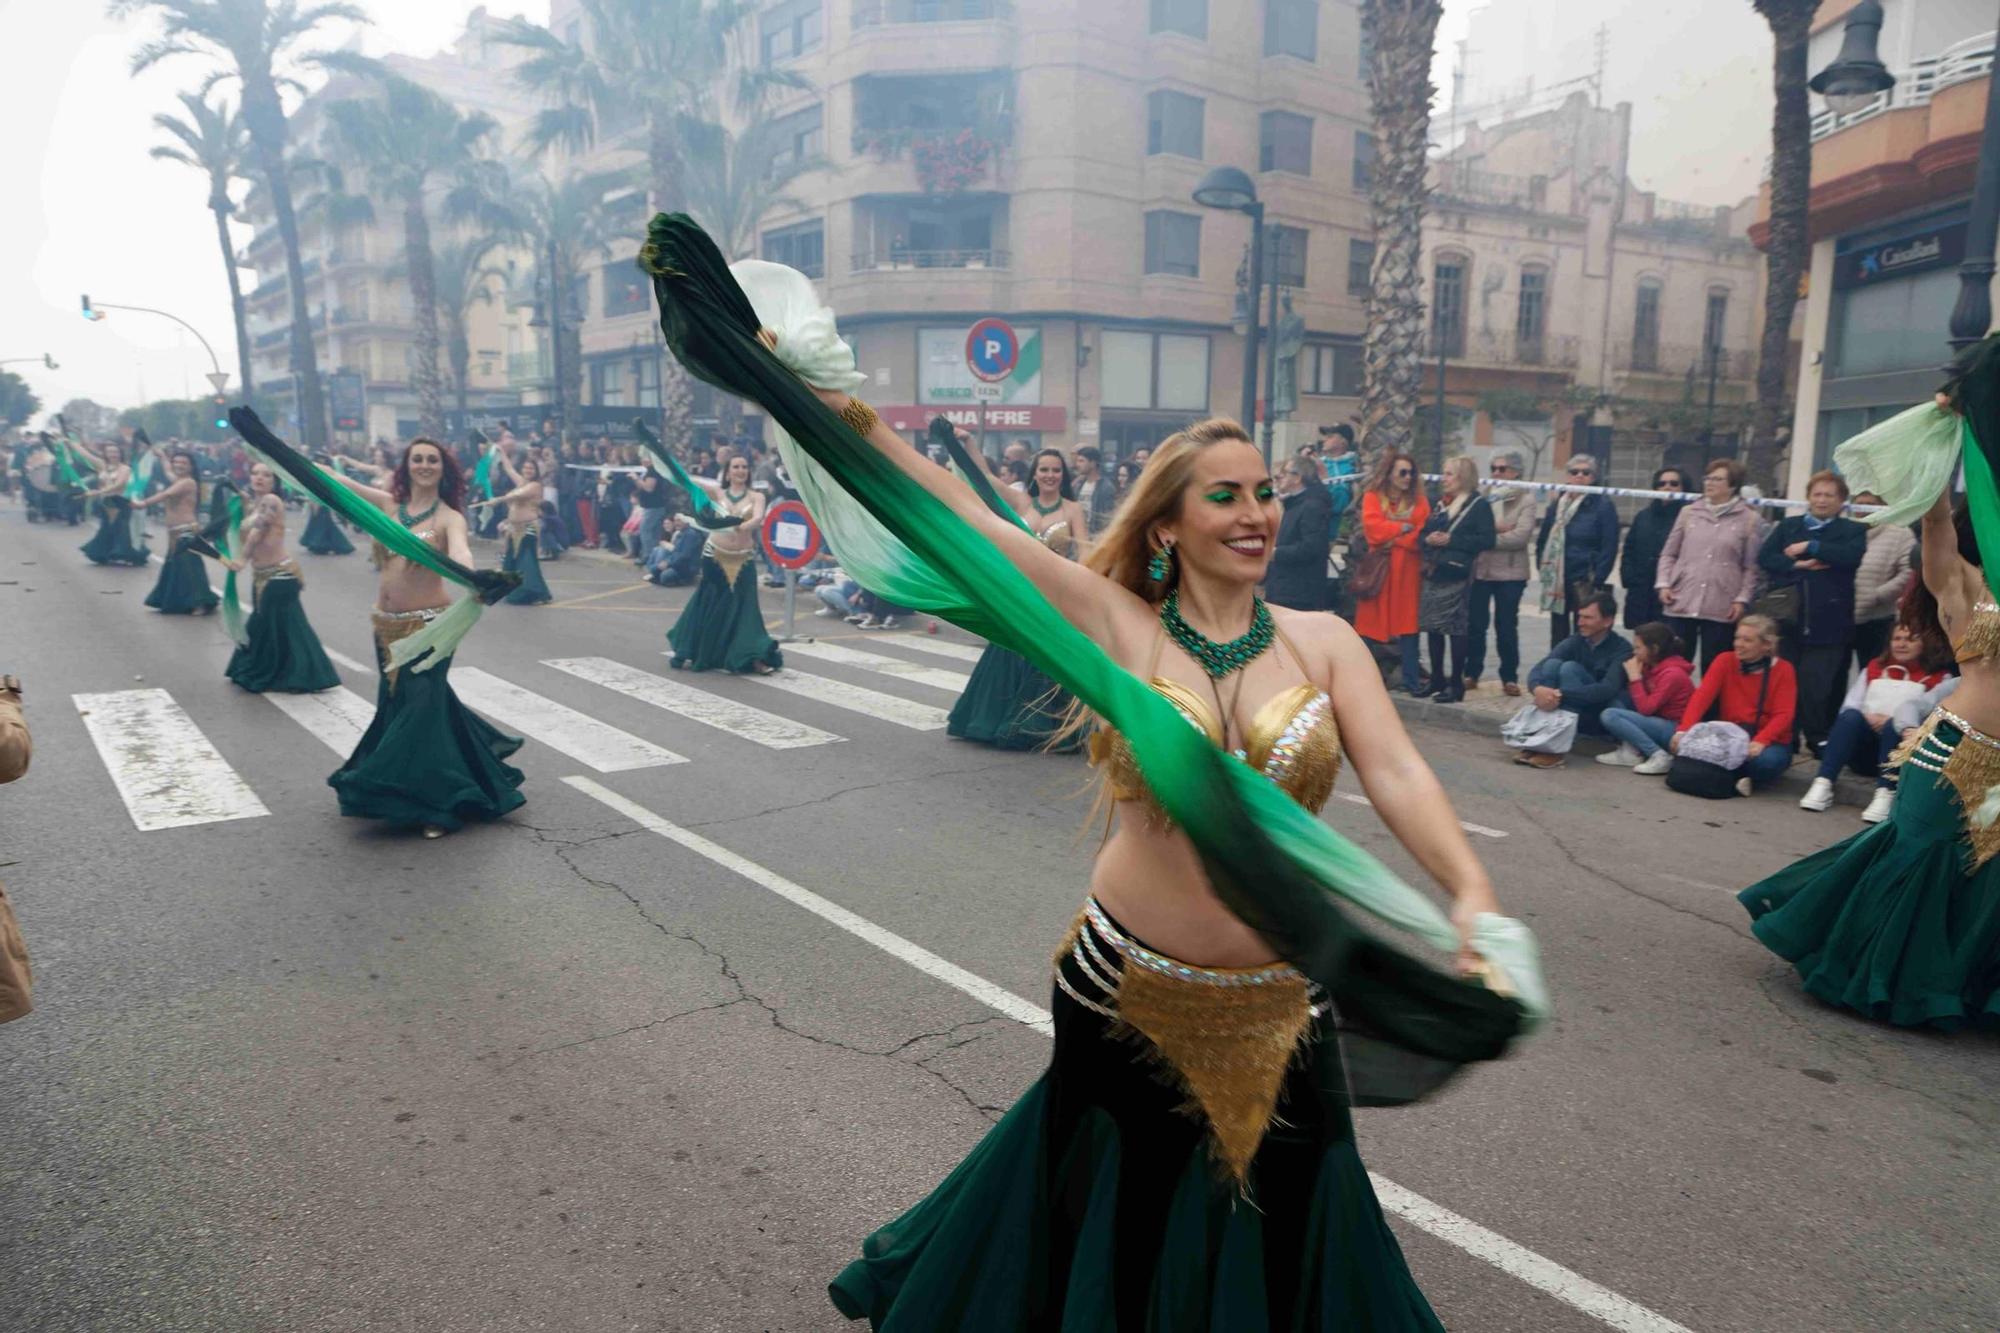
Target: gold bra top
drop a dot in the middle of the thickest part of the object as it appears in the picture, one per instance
(1293, 740)
(1982, 634)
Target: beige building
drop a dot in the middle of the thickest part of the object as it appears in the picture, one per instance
(1576, 307)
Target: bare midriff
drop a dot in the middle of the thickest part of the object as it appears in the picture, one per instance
(269, 547)
(404, 586)
(1150, 878)
(1977, 700)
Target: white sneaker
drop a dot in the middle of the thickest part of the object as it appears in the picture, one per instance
(1819, 796)
(1625, 756)
(888, 622)
(1879, 807)
(826, 611)
(1742, 786)
(1654, 764)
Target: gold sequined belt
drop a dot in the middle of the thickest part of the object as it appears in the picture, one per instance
(393, 626)
(284, 569)
(1224, 1036)
(1970, 762)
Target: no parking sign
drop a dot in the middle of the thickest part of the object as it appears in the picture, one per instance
(992, 350)
(791, 538)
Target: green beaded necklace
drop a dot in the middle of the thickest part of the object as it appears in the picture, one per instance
(1055, 508)
(1219, 659)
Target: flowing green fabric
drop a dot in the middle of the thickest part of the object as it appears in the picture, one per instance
(706, 512)
(438, 640)
(1276, 867)
(232, 603)
(972, 474)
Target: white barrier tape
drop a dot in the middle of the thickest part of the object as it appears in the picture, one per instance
(1565, 488)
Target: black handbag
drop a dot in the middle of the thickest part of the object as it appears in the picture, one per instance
(1780, 604)
(1713, 782)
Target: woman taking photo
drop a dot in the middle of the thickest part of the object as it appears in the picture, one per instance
(280, 652)
(1393, 512)
(722, 626)
(1454, 535)
(1708, 568)
(182, 588)
(1659, 681)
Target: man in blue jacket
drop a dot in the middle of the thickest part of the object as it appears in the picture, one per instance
(1584, 673)
(1579, 538)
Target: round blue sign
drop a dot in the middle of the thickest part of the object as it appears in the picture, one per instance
(992, 350)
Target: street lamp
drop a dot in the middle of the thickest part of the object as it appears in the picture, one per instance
(218, 377)
(48, 362)
(1855, 78)
(1232, 190)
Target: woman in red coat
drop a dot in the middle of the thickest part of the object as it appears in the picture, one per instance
(1392, 514)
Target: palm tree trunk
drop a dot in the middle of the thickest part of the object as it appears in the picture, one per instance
(458, 345)
(265, 116)
(1404, 33)
(662, 165)
(235, 296)
(423, 297)
(1788, 243)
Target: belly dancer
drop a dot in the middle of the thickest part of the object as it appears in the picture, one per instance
(522, 529)
(722, 625)
(182, 588)
(281, 652)
(112, 544)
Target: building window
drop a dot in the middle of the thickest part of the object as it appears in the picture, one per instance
(1291, 28)
(1287, 256)
(1185, 16)
(1531, 314)
(1360, 267)
(1333, 369)
(1448, 306)
(1167, 372)
(1364, 160)
(1646, 327)
(1285, 142)
(1173, 243)
(607, 387)
(1364, 51)
(1715, 321)
(797, 139)
(802, 247)
(627, 291)
(645, 381)
(790, 30)
(1173, 124)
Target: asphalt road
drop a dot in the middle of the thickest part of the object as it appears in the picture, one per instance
(292, 1072)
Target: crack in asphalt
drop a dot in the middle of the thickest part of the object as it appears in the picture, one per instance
(1577, 862)
(845, 791)
(621, 1032)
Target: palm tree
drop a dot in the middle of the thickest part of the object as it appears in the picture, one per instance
(1787, 244)
(213, 141)
(464, 278)
(1403, 34)
(406, 141)
(250, 40)
(729, 182)
(648, 61)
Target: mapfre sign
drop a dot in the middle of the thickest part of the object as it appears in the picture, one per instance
(998, 417)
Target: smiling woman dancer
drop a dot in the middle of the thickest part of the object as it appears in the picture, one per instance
(522, 530)
(722, 624)
(112, 545)
(426, 759)
(1902, 922)
(182, 588)
(281, 652)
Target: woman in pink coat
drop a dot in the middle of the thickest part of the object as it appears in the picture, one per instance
(1708, 569)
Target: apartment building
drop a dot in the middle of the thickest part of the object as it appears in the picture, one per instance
(1891, 183)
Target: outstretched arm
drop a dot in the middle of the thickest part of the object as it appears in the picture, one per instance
(178, 489)
(1016, 500)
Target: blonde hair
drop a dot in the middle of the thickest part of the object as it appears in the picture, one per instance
(1125, 548)
(1767, 628)
(1463, 473)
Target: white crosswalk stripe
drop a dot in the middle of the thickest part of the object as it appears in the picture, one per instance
(713, 710)
(925, 643)
(165, 769)
(336, 717)
(841, 655)
(578, 735)
(856, 699)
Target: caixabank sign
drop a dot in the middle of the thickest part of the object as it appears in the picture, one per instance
(1917, 251)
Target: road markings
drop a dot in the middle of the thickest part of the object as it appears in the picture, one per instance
(924, 643)
(1357, 798)
(558, 726)
(351, 663)
(167, 773)
(856, 699)
(840, 655)
(739, 719)
(1694, 883)
(1543, 1274)
(335, 717)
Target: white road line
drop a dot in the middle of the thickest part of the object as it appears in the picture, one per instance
(738, 719)
(558, 726)
(1546, 1275)
(925, 643)
(1694, 883)
(351, 663)
(164, 768)
(335, 717)
(1357, 798)
(841, 655)
(857, 699)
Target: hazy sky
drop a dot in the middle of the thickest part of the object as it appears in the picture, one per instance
(88, 210)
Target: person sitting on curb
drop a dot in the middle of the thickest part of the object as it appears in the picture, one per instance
(676, 561)
(1585, 673)
(1758, 691)
(1660, 681)
(1866, 732)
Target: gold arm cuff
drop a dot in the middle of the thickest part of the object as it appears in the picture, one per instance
(859, 416)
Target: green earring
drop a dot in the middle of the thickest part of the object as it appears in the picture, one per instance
(1161, 563)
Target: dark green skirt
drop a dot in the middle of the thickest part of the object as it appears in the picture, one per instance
(182, 588)
(323, 535)
(722, 626)
(1010, 705)
(113, 543)
(282, 654)
(427, 758)
(1889, 923)
(524, 559)
(1095, 1205)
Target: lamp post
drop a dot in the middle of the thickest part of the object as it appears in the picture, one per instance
(1232, 190)
(553, 322)
(217, 376)
(48, 362)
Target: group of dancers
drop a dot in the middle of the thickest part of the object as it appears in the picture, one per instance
(1217, 1013)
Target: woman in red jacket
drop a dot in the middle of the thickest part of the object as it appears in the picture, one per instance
(1758, 691)
(1661, 683)
(1393, 512)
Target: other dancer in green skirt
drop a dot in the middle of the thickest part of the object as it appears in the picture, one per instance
(323, 535)
(281, 653)
(112, 544)
(426, 760)
(182, 588)
(1902, 922)
(522, 530)
(722, 626)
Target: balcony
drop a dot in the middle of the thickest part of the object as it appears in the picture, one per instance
(1456, 183)
(877, 13)
(528, 370)
(951, 130)
(1680, 359)
(277, 282)
(1506, 347)
(1961, 62)
(894, 260)
(1673, 220)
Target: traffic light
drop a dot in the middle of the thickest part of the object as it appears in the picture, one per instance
(221, 412)
(88, 313)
